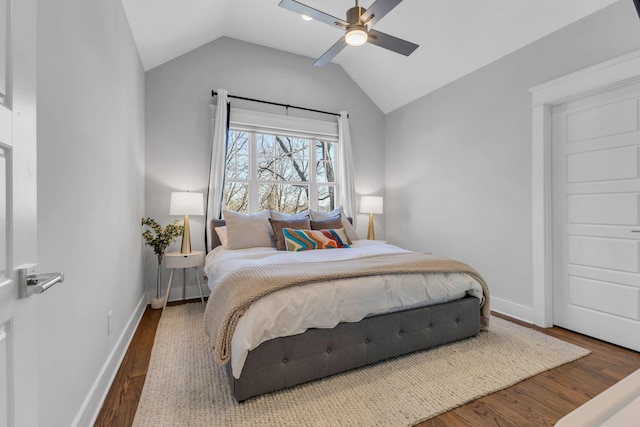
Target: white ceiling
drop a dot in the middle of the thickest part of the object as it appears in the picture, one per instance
(456, 37)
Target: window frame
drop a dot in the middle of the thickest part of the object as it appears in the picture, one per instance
(257, 122)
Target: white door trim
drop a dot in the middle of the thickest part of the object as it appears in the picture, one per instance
(606, 75)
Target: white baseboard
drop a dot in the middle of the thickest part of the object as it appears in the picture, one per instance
(91, 406)
(191, 292)
(512, 309)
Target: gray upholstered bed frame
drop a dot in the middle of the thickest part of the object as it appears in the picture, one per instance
(317, 353)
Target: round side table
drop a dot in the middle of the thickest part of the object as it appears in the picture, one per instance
(176, 260)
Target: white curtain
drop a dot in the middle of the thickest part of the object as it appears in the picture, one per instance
(218, 156)
(345, 170)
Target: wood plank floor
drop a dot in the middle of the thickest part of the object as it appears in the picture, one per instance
(539, 401)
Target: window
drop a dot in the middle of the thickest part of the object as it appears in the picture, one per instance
(276, 171)
(283, 163)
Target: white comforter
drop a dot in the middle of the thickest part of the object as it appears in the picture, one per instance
(295, 309)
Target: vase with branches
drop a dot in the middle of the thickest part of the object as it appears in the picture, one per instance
(159, 237)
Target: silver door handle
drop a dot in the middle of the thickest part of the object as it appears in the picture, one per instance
(635, 231)
(31, 282)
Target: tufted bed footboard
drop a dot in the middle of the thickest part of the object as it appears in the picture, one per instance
(317, 353)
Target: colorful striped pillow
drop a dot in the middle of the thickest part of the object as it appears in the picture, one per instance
(304, 240)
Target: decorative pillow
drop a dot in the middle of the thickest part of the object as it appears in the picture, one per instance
(289, 217)
(248, 230)
(304, 240)
(278, 225)
(319, 216)
(329, 223)
(222, 235)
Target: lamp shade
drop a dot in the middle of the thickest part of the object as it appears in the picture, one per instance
(371, 204)
(185, 203)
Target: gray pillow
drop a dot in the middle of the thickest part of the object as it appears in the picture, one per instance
(277, 226)
(327, 223)
(319, 216)
(299, 215)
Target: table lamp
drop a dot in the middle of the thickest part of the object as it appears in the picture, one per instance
(371, 205)
(186, 203)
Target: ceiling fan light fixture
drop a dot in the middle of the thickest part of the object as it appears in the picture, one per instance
(356, 35)
(357, 28)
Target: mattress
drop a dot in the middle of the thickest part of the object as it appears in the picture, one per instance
(293, 310)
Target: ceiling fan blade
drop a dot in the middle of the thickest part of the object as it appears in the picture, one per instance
(377, 10)
(331, 53)
(303, 9)
(392, 43)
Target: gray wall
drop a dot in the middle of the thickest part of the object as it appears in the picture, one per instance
(90, 200)
(458, 161)
(178, 121)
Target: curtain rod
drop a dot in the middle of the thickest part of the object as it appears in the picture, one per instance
(214, 93)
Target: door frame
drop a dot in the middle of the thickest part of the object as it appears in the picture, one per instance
(607, 75)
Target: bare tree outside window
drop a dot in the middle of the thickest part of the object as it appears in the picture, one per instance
(325, 174)
(236, 189)
(288, 173)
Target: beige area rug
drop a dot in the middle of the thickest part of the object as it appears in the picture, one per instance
(184, 387)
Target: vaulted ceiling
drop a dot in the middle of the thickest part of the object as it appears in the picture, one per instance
(456, 37)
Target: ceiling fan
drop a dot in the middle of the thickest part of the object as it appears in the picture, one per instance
(357, 26)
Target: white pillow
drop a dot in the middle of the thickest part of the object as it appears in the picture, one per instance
(222, 235)
(319, 216)
(288, 217)
(248, 230)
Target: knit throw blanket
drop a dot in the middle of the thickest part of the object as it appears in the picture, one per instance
(236, 291)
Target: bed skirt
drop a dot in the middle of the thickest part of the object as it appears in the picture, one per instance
(317, 353)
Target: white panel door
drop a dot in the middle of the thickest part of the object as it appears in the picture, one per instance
(596, 215)
(18, 213)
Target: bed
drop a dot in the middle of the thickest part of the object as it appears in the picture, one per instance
(332, 314)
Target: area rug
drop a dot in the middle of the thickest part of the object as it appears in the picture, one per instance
(184, 386)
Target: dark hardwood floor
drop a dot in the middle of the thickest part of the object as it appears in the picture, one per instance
(540, 400)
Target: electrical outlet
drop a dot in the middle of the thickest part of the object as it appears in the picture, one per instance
(109, 314)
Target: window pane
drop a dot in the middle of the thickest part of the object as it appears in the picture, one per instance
(238, 142)
(325, 170)
(326, 198)
(285, 198)
(282, 159)
(321, 173)
(236, 196)
(299, 170)
(325, 150)
(266, 160)
(266, 145)
(237, 165)
(299, 148)
(266, 169)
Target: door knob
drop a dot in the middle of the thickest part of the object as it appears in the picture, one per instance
(31, 282)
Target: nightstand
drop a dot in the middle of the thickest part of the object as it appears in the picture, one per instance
(175, 260)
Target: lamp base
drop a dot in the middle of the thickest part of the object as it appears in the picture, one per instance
(371, 235)
(186, 237)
